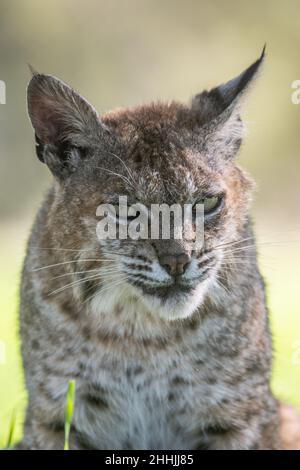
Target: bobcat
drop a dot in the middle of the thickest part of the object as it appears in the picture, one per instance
(170, 347)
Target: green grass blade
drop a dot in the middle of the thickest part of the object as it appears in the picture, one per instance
(11, 432)
(70, 404)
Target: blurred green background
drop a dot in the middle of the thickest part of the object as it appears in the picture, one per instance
(120, 53)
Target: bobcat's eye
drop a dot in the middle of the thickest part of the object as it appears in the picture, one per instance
(211, 204)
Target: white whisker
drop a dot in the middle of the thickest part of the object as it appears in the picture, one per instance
(71, 261)
(102, 271)
(126, 167)
(119, 280)
(74, 283)
(124, 178)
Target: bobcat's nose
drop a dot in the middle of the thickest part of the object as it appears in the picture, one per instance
(175, 264)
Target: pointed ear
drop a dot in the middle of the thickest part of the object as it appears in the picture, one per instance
(64, 122)
(217, 110)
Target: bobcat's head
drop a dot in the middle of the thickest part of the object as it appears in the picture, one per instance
(153, 154)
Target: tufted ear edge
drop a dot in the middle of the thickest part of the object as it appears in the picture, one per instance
(66, 125)
(210, 104)
(58, 112)
(217, 110)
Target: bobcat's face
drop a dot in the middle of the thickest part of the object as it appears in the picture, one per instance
(156, 154)
(165, 165)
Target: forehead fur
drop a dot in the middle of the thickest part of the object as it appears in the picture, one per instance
(159, 142)
(149, 119)
(154, 135)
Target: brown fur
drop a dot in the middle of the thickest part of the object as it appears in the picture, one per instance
(185, 366)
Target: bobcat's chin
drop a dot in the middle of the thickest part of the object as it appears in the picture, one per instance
(175, 302)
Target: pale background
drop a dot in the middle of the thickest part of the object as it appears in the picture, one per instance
(120, 53)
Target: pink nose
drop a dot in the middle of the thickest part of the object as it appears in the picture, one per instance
(175, 264)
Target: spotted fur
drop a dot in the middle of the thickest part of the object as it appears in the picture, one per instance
(159, 362)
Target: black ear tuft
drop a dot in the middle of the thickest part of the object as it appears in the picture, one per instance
(210, 104)
(217, 112)
(237, 86)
